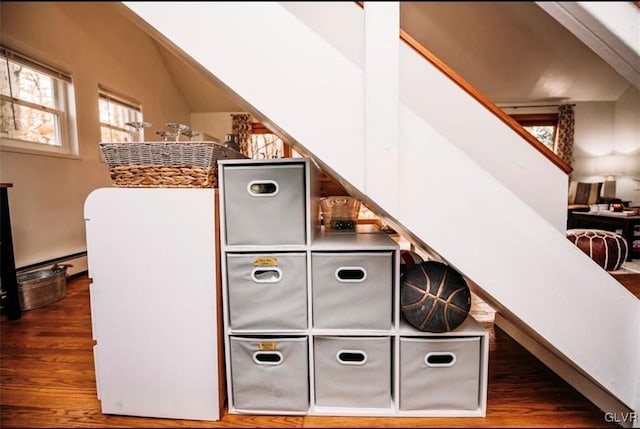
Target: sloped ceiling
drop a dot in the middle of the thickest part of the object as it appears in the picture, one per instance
(201, 93)
(513, 52)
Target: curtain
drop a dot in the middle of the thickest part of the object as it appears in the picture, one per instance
(241, 127)
(564, 139)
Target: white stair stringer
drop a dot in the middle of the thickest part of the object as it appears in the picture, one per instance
(517, 258)
(280, 68)
(448, 195)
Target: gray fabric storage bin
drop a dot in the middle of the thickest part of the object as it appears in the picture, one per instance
(270, 374)
(353, 371)
(439, 373)
(265, 204)
(267, 297)
(352, 290)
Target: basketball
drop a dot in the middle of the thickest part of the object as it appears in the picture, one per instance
(408, 259)
(434, 297)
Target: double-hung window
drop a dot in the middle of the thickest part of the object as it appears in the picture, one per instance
(115, 112)
(36, 105)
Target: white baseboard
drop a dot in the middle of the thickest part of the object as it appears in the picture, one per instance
(78, 262)
(80, 265)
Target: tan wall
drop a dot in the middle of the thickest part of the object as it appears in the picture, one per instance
(215, 124)
(97, 45)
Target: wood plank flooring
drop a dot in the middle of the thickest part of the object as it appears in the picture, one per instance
(47, 379)
(630, 281)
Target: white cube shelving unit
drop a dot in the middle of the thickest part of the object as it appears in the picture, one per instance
(323, 308)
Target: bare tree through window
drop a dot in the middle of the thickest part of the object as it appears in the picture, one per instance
(33, 102)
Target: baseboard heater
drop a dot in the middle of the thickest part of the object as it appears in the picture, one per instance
(77, 260)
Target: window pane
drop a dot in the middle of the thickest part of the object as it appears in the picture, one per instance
(110, 135)
(38, 105)
(30, 85)
(4, 77)
(120, 115)
(103, 108)
(30, 124)
(116, 114)
(543, 133)
(265, 146)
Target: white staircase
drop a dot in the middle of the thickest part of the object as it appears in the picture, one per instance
(462, 182)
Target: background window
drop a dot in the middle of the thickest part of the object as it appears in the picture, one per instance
(540, 125)
(265, 144)
(115, 111)
(34, 103)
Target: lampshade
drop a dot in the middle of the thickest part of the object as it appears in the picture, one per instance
(610, 166)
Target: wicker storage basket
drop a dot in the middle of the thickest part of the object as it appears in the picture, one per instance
(39, 288)
(165, 164)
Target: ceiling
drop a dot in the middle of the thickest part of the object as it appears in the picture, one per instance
(201, 91)
(514, 53)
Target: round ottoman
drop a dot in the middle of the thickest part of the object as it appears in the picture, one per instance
(608, 249)
(408, 259)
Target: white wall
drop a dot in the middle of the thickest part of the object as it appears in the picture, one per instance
(605, 128)
(97, 45)
(593, 134)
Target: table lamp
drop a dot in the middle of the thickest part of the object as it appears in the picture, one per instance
(610, 166)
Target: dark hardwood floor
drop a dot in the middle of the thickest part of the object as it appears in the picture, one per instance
(47, 380)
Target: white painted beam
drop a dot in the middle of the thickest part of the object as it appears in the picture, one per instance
(381, 80)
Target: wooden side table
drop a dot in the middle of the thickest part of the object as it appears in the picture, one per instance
(7, 260)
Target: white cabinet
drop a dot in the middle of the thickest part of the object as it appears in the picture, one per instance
(324, 308)
(152, 258)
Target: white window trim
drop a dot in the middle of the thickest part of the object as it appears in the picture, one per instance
(65, 96)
